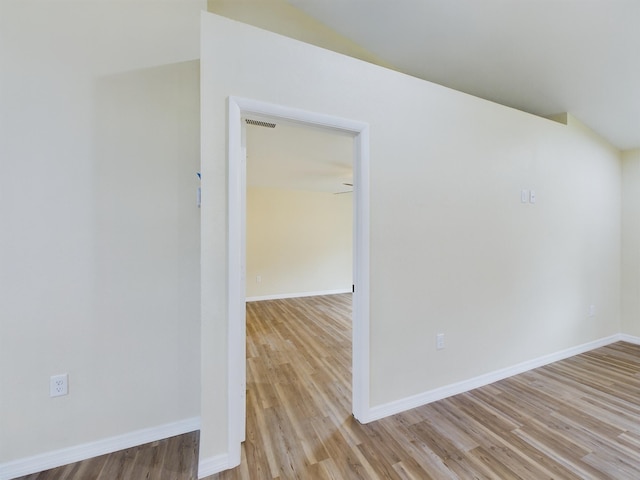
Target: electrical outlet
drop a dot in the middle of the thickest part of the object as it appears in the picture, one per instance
(592, 310)
(440, 341)
(59, 385)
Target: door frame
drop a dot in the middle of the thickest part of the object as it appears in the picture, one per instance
(236, 269)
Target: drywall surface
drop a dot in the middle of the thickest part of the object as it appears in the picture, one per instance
(298, 242)
(453, 249)
(100, 243)
(631, 242)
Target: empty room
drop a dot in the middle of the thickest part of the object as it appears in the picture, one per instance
(494, 326)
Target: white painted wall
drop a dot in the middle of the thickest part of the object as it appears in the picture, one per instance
(298, 242)
(452, 248)
(631, 242)
(100, 234)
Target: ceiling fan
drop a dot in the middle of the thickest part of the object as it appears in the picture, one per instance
(346, 184)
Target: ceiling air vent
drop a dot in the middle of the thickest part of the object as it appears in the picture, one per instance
(258, 123)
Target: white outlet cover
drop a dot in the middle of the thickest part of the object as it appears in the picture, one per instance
(59, 385)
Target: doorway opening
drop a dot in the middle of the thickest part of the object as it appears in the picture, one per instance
(299, 223)
(240, 108)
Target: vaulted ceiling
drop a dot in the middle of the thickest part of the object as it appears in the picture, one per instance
(541, 56)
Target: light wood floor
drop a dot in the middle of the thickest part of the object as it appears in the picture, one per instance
(574, 419)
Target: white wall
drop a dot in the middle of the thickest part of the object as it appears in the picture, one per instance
(452, 248)
(100, 232)
(298, 242)
(631, 242)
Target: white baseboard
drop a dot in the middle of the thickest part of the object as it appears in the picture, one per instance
(213, 465)
(629, 338)
(281, 296)
(58, 458)
(398, 406)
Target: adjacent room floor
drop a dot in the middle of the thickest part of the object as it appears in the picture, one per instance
(575, 419)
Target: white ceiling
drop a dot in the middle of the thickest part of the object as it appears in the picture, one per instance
(540, 56)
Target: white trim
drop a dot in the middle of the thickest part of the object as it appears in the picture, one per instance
(236, 287)
(212, 465)
(280, 296)
(77, 453)
(398, 406)
(629, 338)
(360, 302)
(236, 254)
